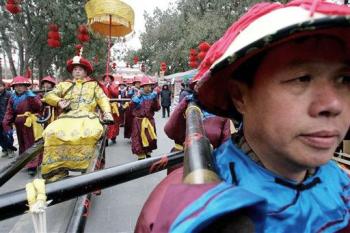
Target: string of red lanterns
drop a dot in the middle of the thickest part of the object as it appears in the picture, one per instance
(54, 38)
(83, 34)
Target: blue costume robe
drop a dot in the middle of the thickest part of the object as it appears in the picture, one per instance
(321, 203)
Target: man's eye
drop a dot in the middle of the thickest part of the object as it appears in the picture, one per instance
(305, 78)
(344, 80)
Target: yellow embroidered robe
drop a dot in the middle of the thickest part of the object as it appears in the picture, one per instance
(70, 140)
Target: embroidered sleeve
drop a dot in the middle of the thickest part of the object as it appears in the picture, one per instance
(102, 100)
(9, 117)
(53, 97)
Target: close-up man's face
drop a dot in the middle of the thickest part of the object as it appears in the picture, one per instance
(79, 72)
(20, 88)
(298, 108)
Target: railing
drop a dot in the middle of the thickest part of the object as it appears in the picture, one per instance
(15, 203)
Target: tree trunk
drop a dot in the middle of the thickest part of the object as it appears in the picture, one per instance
(7, 48)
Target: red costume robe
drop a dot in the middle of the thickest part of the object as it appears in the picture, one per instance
(128, 121)
(16, 108)
(112, 91)
(142, 136)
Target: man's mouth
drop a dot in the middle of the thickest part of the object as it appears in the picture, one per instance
(324, 139)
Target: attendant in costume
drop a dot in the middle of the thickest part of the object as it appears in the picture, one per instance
(70, 141)
(6, 140)
(47, 84)
(144, 105)
(134, 89)
(288, 83)
(112, 91)
(122, 94)
(22, 111)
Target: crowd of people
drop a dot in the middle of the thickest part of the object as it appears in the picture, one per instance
(78, 107)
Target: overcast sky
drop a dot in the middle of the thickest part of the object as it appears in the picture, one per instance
(139, 7)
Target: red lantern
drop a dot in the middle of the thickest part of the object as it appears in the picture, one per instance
(193, 52)
(163, 66)
(83, 38)
(201, 55)
(53, 43)
(136, 60)
(204, 46)
(83, 29)
(13, 7)
(193, 64)
(53, 27)
(53, 35)
(83, 35)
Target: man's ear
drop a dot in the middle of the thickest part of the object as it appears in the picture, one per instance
(238, 94)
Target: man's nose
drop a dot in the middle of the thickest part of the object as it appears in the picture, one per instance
(327, 101)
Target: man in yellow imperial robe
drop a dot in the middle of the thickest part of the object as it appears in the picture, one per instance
(70, 141)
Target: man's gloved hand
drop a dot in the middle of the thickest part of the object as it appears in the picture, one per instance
(30, 93)
(107, 118)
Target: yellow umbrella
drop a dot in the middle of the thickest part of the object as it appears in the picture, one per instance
(110, 17)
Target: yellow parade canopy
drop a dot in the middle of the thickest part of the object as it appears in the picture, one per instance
(100, 12)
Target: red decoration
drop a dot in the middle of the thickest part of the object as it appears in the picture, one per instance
(83, 35)
(193, 64)
(53, 27)
(54, 39)
(193, 52)
(114, 66)
(204, 46)
(193, 59)
(136, 60)
(13, 7)
(53, 35)
(201, 55)
(163, 66)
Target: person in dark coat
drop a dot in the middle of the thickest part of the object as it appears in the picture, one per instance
(165, 99)
(6, 141)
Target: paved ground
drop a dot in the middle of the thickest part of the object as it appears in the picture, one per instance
(116, 210)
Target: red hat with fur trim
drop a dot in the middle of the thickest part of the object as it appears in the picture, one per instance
(20, 80)
(137, 79)
(79, 61)
(49, 79)
(264, 26)
(146, 81)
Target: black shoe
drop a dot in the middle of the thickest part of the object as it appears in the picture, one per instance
(114, 141)
(13, 148)
(31, 171)
(148, 156)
